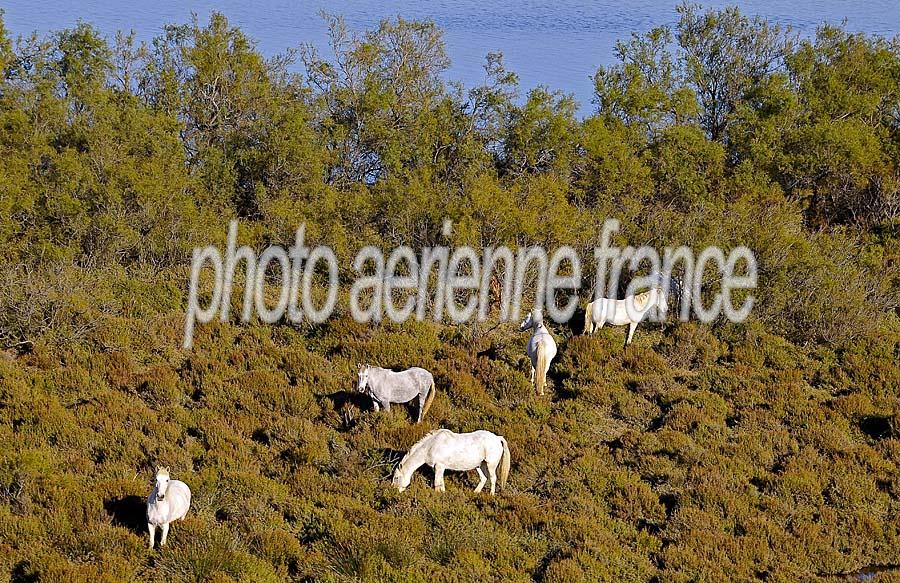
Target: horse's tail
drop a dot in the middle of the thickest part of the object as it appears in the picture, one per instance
(588, 318)
(429, 398)
(541, 366)
(504, 463)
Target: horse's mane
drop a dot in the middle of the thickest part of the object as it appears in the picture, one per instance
(417, 445)
(640, 300)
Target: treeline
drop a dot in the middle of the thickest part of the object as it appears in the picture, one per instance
(118, 157)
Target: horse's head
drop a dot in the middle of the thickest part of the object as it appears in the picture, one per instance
(664, 285)
(533, 320)
(162, 483)
(363, 378)
(668, 284)
(661, 303)
(400, 480)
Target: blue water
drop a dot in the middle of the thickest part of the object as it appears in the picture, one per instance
(558, 44)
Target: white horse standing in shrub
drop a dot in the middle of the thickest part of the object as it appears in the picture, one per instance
(168, 502)
(444, 450)
(541, 349)
(385, 386)
(629, 311)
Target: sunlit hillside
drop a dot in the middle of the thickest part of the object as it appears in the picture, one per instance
(763, 450)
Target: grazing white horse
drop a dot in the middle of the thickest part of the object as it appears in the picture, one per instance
(629, 311)
(444, 450)
(385, 386)
(541, 349)
(169, 501)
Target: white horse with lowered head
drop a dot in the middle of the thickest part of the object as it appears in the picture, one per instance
(629, 311)
(541, 349)
(385, 386)
(168, 502)
(442, 449)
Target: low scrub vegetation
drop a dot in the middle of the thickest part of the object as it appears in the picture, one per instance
(767, 450)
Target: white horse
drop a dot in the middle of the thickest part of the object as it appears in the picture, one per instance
(444, 450)
(169, 501)
(541, 348)
(385, 386)
(629, 311)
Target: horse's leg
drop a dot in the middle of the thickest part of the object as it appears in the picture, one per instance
(422, 398)
(152, 530)
(532, 374)
(375, 405)
(165, 534)
(631, 328)
(492, 473)
(439, 478)
(386, 404)
(482, 477)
